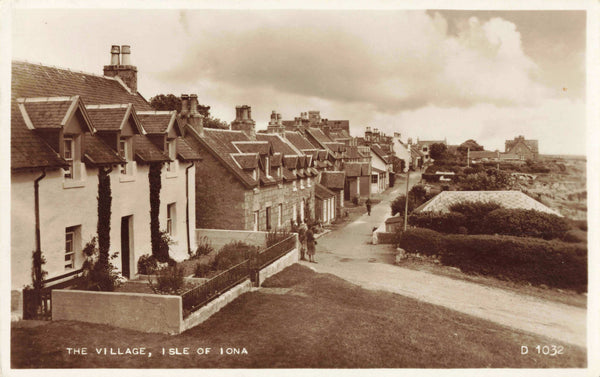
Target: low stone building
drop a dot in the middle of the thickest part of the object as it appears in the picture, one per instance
(525, 149)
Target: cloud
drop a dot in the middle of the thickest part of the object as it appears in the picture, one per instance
(393, 60)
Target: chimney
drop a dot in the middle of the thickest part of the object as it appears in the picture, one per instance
(125, 71)
(195, 119)
(243, 121)
(114, 55)
(185, 106)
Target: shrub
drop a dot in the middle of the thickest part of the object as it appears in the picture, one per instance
(536, 261)
(169, 280)
(524, 223)
(418, 192)
(99, 276)
(462, 230)
(204, 247)
(147, 264)
(276, 236)
(233, 253)
(202, 270)
(398, 204)
(575, 236)
(474, 212)
(579, 224)
(448, 222)
(422, 241)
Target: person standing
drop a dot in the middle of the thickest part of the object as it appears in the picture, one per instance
(310, 244)
(368, 203)
(302, 238)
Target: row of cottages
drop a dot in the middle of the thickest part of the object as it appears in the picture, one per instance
(71, 130)
(249, 180)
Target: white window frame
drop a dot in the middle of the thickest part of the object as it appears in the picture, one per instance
(171, 218)
(69, 157)
(279, 214)
(172, 153)
(308, 182)
(301, 183)
(254, 175)
(255, 227)
(294, 212)
(267, 167)
(294, 185)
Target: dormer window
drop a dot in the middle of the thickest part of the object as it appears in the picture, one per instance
(69, 152)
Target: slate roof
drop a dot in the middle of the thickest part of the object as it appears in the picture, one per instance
(376, 148)
(276, 159)
(49, 113)
(482, 154)
(298, 140)
(146, 151)
(532, 145)
(338, 124)
(353, 169)
(260, 147)
(220, 143)
(108, 119)
(98, 153)
(333, 179)
(323, 192)
(508, 199)
(279, 145)
(354, 153)
(319, 135)
(35, 80)
(246, 161)
(414, 149)
(290, 161)
(184, 151)
(157, 122)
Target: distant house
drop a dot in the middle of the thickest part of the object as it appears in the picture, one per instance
(335, 182)
(402, 151)
(424, 146)
(381, 168)
(67, 127)
(508, 199)
(358, 179)
(525, 149)
(325, 205)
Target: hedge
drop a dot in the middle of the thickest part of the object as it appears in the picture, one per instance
(536, 261)
(525, 222)
(448, 222)
(422, 241)
(553, 263)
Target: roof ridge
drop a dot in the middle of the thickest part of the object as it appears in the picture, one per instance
(108, 106)
(156, 112)
(45, 99)
(62, 68)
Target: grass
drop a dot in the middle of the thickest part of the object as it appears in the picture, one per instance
(302, 320)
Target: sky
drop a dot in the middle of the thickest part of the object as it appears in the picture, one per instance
(428, 74)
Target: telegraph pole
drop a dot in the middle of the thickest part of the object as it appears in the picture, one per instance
(406, 200)
(468, 156)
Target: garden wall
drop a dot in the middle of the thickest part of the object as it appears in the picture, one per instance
(220, 237)
(135, 311)
(278, 266)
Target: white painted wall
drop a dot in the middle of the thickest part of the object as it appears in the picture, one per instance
(62, 207)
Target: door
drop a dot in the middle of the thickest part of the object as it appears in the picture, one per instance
(125, 245)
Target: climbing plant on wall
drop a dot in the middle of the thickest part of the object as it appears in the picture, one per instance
(159, 251)
(104, 212)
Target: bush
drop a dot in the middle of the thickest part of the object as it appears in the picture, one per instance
(536, 261)
(202, 270)
(147, 264)
(524, 223)
(98, 276)
(448, 222)
(276, 236)
(418, 192)
(474, 212)
(204, 247)
(398, 204)
(422, 241)
(575, 236)
(169, 280)
(232, 254)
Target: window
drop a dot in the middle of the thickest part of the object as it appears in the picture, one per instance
(308, 182)
(69, 153)
(268, 213)
(425, 148)
(279, 171)
(301, 183)
(374, 178)
(171, 151)
(255, 220)
(279, 213)
(171, 212)
(294, 186)
(302, 211)
(267, 167)
(72, 245)
(125, 151)
(294, 212)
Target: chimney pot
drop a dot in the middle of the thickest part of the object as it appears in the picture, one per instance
(114, 55)
(194, 104)
(185, 105)
(126, 55)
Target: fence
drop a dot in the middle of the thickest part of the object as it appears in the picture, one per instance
(37, 304)
(203, 294)
(248, 269)
(271, 254)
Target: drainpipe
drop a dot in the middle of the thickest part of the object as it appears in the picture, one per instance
(187, 207)
(36, 190)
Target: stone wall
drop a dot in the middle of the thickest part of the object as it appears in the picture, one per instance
(278, 266)
(135, 311)
(220, 237)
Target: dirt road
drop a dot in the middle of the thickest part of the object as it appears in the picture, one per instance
(347, 253)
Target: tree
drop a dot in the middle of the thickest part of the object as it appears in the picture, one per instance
(437, 150)
(170, 102)
(399, 203)
(489, 180)
(166, 102)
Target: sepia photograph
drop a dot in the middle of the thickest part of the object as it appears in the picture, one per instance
(337, 188)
